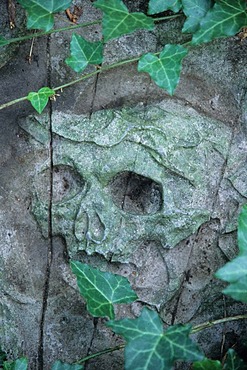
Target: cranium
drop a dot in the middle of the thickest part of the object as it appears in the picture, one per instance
(124, 176)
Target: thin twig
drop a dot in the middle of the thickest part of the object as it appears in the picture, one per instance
(29, 58)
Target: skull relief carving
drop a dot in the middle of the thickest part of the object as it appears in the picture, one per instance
(127, 176)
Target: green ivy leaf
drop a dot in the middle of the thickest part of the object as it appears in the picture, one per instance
(40, 12)
(3, 41)
(165, 69)
(40, 99)
(102, 289)
(235, 271)
(19, 364)
(194, 10)
(83, 53)
(117, 20)
(242, 231)
(226, 18)
(233, 362)
(207, 364)
(159, 6)
(149, 347)
(59, 365)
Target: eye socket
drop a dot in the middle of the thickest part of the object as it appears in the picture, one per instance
(66, 184)
(136, 194)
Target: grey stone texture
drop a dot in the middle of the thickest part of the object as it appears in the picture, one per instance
(143, 185)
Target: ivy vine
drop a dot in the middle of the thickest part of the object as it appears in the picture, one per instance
(205, 20)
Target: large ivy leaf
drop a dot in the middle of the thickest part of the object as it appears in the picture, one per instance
(149, 347)
(235, 271)
(83, 53)
(102, 289)
(117, 20)
(226, 18)
(194, 10)
(40, 12)
(19, 364)
(40, 99)
(233, 362)
(159, 6)
(165, 69)
(59, 365)
(207, 364)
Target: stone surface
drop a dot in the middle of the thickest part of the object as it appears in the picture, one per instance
(119, 151)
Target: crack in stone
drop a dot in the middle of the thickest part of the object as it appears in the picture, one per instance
(95, 324)
(94, 94)
(50, 239)
(181, 288)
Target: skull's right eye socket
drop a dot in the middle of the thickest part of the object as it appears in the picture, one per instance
(136, 194)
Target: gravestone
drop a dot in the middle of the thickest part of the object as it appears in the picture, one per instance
(117, 174)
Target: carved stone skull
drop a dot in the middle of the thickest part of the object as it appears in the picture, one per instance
(122, 177)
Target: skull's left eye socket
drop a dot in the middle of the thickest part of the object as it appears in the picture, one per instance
(66, 183)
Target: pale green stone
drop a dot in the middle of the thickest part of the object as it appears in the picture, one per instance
(182, 152)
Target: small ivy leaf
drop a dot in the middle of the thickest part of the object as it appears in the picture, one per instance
(83, 53)
(194, 10)
(19, 364)
(165, 69)
(242, 231)
(40, 99)
(159, 6)
(102, 289)
(40, 12)
(149, 347)
(117, 20)
(59, 365)
(233, 362)
(3, 41)
(226, 18)
(207, 364)
(235, 271)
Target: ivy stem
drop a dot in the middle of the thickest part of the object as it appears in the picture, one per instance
(12, 102)
(209, 324)
(69, 28)
(45, 33)
(194, 330)
(108, 350)
(100, 70)
(88, 75)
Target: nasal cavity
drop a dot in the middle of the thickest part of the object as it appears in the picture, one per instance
(136, 194)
